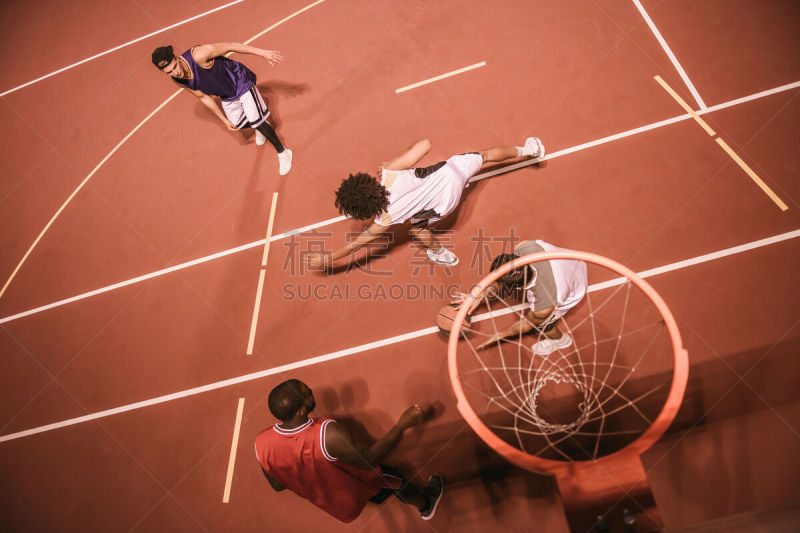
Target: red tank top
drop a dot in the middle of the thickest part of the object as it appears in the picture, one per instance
(298, 460)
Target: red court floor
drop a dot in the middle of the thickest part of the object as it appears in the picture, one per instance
(100, 186)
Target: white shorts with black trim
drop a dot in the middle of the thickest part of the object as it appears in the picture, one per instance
(249, 110)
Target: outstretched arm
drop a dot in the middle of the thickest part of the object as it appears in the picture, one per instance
(409, 158)
(340, 444)
(369, 235)
(489, 294)
(521, 326)
(204, 53)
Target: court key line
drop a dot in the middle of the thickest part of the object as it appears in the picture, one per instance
(262, 275)
(237, 425)
(334, 220)
(440, 77)
(728, 150)
(101, 54)
(669, 53)
(113, 150)
(378, 344)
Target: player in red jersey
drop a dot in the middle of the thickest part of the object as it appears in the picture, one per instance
(317, 459)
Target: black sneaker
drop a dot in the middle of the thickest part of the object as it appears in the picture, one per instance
(432, 491)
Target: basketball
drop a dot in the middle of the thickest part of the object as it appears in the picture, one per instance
(445, 317)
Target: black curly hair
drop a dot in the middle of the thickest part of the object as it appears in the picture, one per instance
(362, 197)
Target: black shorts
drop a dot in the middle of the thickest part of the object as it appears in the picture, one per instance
(420, 220)
(383, 494)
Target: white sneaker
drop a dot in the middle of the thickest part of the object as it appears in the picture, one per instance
(260, 138)
(548, 346)
(443, 257)
(534, 147)
(285, 159)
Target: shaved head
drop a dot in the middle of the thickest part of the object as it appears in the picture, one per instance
(288, 397)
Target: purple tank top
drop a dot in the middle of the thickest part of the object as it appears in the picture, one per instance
(225, 78)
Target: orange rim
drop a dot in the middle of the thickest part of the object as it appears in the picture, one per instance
(550, 466)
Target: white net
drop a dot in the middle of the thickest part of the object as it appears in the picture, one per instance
(578, 402)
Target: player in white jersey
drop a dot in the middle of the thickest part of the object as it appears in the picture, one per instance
(419, 196)
(551, 289)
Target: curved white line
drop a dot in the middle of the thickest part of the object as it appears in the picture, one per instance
(134, 130)
(82, 61)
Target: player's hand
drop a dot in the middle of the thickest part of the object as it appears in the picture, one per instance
(317, 259)
(273, 57)
(411, 417)
(230, 125)
(491, 341)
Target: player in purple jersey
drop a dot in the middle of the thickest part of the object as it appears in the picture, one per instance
(204, 71)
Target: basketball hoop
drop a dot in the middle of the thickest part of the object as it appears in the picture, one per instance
(585, 413)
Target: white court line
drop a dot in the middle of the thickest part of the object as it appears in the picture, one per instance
(440, 77)
(377, 344)
(81, 62)
(226, 494)
(671, 56)
(134, 130)
(334, 220)
(261, 276)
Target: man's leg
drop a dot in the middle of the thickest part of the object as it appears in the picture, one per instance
(257, 113)
(424, 500)
(436, 252)
(533, 148)
(425, 236)
(267, 131)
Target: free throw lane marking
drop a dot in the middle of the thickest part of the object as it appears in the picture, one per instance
(262, 275)
(669, 53)
(552, 155)
(437, 78)
(269, 229)
(375, 344)
(728, 150)
(684, 105)
(226, 495)
(749, 171)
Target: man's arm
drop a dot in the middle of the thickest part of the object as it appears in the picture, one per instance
(340, 444)
(490, 294)
(409, 158)
(521, 326)
(369, 235)
(272, 481)
(204, 53)
(211, 104)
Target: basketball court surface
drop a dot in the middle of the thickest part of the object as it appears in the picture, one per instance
(154, 288)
